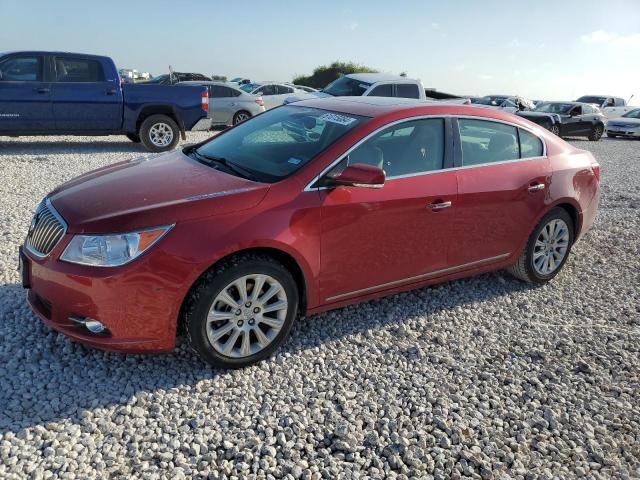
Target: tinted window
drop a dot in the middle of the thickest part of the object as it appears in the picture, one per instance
(78, 70)
(275, 144)
(21, 69)
(218, 91)
(266, 90)
(407, 91)
(283, 89)
(577, 110)
(345, 87)
(485, 142)
(530, 145)
(382, 91)
(418, 147)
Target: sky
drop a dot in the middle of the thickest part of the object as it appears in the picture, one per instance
(552, 50)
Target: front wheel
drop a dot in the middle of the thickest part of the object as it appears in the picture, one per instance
(159, 133)
(555, 129)
(241, 311)
(596, 133)
(547, 248)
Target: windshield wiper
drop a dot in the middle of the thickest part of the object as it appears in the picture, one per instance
(230, 166)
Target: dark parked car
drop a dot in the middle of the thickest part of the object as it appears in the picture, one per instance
(177, 77)
(569, 119)
(59, 93)
(235, 238)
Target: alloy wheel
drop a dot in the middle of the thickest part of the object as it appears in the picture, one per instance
(551, 247)
(247, 315)
(241, 117)
(555, 129)
(161, 134)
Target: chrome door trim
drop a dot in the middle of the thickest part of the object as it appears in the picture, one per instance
(416, 278)
(308, 187)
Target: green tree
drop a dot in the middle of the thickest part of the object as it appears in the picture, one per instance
(325, 74)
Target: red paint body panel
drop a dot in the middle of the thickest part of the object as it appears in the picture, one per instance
(351, 243)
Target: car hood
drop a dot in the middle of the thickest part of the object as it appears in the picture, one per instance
(151, 191)
(625, 121)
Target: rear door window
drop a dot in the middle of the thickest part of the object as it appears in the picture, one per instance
(407, 90)
(484, 141)
(220, 91)
(385, 90)
(21, 69)
(530, 145)
(82, 70)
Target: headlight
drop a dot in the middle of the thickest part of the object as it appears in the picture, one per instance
(111, 250)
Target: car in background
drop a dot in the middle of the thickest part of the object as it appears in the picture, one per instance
(367, 85)
(303, 88)
(240, 81)
(569, 119)
(272, 93)
(228, 104)
(508, 103)
(628, 125)
(232, 240)
(603, 101)
(62, 93)
(176, 77)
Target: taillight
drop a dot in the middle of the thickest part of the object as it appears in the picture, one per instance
(595, 167)
(204, 97)
(260, 102)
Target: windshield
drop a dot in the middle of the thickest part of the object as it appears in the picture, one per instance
(237, 79)
(490, 100)
(275, 144)
(554, 107)
(346, 87)
(632, 114)
(592, 99)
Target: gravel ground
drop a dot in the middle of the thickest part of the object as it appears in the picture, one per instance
(485, 377)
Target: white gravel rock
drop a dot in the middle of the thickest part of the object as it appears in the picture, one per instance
(485, 377)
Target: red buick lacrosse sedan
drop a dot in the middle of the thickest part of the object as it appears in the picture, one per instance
(305, 208)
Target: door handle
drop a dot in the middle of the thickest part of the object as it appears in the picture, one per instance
(111, 91)
(439, 206)
(536, 188)
(41, 90)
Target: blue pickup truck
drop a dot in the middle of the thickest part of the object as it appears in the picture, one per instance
(57, 93)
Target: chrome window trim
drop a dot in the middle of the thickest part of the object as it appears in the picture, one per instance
(422, 276)
(309, 188)
(54, 212)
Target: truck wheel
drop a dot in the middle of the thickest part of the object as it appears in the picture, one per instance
(159, 133)
(134, 137)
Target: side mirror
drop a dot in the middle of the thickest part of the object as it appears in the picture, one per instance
(357, 175)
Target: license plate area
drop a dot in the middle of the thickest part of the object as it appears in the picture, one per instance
(24, 265)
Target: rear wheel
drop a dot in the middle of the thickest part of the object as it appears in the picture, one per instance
(547, 249)
(134, 137)
(241, 116)
(241, 311)
(555, 129)
(596, 133)
(159, 133)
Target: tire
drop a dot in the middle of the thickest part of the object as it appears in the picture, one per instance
(555, 129)
(159, 133)
(134, 137)
(241, 116)
(221, 342)
(525, 268)
(596, 133)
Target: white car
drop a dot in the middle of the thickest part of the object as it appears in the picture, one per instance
(272, 93)
(508, 103)
(368, 84)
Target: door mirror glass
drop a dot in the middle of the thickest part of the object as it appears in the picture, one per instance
(357, 175)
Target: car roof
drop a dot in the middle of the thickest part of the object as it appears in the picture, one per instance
(378, 77)
(44, 52)
(381, 106)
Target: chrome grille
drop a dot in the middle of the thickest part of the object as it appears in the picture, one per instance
(46, 229)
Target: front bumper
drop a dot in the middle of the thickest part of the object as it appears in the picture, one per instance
(624, 131)
(138, 303)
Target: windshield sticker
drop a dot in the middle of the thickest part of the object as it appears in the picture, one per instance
(294, 160)
(335, 118)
